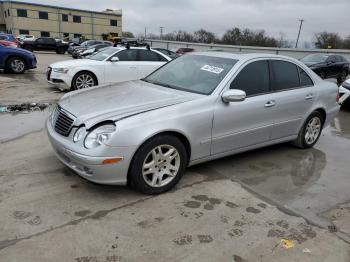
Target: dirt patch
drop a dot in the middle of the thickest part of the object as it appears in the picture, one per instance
(24, 107)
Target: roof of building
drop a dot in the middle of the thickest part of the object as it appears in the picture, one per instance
(107, 12)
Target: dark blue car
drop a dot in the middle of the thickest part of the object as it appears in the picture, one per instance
(16, 60)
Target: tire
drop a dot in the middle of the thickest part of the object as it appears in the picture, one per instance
(60, 51)
(83, 80)
(168, 170)
(16, 65)
(314, 124)
(342, 77)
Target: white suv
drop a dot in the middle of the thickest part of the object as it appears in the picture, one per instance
(110, 65)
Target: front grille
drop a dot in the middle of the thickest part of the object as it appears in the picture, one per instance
(63, 122)
(48, 73)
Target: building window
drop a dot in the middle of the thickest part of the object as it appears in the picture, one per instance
(114, 23)
(43, 15)
(23, 32)
(5, 14)
(64, 18)
(77, 35)
(21, 13)
(45, 34)
(8, 12)
(65, 34)
(76, 19)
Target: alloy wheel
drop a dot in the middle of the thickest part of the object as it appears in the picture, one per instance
(161, 166)
(17, 65)
(313, 130)
(84, 81)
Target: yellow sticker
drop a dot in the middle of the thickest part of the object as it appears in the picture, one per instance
(287, 243)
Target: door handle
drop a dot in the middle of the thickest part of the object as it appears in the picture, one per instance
(132, 67)
(270, 103)
(309, 96)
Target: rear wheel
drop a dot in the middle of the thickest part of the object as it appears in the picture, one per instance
(83, 80)
(311, 131)
(16, 65)
(158, 165)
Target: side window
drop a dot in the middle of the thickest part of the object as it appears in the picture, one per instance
(127, 55)
(254, 79)
(332, 59)
(305, 80)
(148, 55)
(285, 75)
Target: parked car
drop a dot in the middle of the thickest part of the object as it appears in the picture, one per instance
(167, 52)
(10, 38)
(16, 60)
(182, 51)
(344, 93)
(85, 45)
(196, 108)
(92, 50)
(99, 44)
(110, 65)
(26, 38)
(328, 66)
(8, 43)
(45, 44)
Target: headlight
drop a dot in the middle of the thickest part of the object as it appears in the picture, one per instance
(79, 134)
(99, 136)
(60, 70)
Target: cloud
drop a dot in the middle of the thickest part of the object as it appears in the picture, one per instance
(273, 16)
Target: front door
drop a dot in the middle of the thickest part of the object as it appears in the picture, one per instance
(241, 124)
(123, 70)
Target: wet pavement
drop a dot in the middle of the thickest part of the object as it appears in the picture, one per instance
(237, 208)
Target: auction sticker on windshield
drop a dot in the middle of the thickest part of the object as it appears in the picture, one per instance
(212, 69)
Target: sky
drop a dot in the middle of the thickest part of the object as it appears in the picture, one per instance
(276, 17)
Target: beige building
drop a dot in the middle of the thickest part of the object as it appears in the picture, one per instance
(54, 21)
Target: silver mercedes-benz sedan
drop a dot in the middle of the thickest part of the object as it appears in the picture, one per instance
(199, 107)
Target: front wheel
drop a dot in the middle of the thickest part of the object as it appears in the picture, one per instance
(60, 51)
(16, 65)
(158, 165)
(83, 80)
(310, 131)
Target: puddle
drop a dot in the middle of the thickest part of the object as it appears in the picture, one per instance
(24, 107)
(304, 182)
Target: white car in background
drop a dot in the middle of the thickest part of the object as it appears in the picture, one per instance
(110, 65)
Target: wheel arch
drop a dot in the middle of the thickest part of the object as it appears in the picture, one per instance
(183, 138)
(85, 71)
(322, 111)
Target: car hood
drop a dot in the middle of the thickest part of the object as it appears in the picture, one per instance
(21, 51)
(73, 63)
(118, 101)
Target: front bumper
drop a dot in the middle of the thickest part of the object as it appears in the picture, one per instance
(91, 167)
(61, 81)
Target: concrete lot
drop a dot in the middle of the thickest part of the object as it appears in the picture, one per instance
(234, 209)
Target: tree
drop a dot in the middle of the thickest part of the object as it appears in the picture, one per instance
(128, 35)
(328, 40)
(203, 36)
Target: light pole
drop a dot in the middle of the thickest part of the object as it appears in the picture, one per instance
(161, 32)
(301, 24)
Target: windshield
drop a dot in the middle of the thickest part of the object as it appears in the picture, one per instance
(104, 53)
(193, 73)
(314, 58)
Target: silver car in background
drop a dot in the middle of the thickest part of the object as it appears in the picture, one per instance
(197, 108)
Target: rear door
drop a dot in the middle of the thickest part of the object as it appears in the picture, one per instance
(148, 61)
(294, 95)
(123, 70)
(241, 124)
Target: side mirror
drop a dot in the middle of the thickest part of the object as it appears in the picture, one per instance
(114, 59)
(233, 95)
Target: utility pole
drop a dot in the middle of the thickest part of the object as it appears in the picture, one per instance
(145, 32)
(301, 24)
(161, 32)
